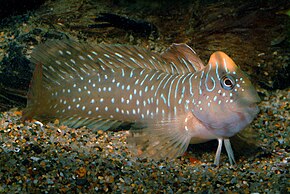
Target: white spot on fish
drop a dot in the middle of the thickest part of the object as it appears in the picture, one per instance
(81, 57)
(95, 53)
(92, 101)
(73, 61)
(215, 97)
(119, 55)
(90, 57)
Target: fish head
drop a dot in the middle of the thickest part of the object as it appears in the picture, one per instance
(227, 99)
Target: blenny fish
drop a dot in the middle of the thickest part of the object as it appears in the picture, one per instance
(171, 99)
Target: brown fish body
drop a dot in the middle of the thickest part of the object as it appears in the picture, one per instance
(174, 98)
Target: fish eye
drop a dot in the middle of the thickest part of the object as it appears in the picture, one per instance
(228, 82)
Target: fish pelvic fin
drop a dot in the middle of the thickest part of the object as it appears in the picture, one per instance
(159, 141)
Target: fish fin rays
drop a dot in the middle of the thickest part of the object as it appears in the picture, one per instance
(93, 123)
(65, 61)
(125, 56)
(182, 59)
(159, 141)
(35, 95)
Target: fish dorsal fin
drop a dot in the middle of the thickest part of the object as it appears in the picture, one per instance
(68, 60)
(64, 61)
(160, 140)
(131, 56)
(182, 59)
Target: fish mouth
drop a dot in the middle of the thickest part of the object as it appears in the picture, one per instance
(249, 112)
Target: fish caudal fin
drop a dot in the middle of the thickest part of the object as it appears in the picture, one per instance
(159, 141)
(35, 95)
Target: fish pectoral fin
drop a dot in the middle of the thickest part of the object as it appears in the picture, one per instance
(159, 141)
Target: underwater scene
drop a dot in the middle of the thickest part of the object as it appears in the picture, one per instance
(143, 96)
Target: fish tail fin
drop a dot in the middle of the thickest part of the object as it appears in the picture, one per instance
(35, 95)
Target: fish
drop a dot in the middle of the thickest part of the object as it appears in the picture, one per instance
(169, 100)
